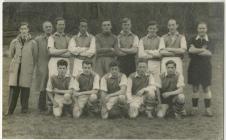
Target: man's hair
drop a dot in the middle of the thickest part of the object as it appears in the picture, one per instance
(140, 60)
(114, 64)
(105, 19)
(58, 19)
(87, 62)
(62, 62)
(202, 22)
(83, 20)
(125, 20)
(171, 62)
(46, 22)
(173, 19)
(24, 24)
(152, 22)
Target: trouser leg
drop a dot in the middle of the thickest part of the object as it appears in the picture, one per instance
(42, 101)
(24, 98)
(14, 92)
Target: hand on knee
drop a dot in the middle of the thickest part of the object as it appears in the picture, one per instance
(93, 98)
(181, 98)
(122, 98)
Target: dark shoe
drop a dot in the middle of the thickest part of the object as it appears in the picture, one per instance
(177, 116)
(24, 111)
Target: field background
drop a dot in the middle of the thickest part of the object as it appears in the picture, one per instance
(35, 125)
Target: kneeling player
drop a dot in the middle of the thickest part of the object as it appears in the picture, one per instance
(113, 88)
(59, 88)
(88, 86)
(141, 91)
(171, 91)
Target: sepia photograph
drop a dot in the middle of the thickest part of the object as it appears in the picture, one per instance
(113, 70)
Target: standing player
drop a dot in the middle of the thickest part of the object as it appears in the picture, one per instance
(141, 91)
(42, 64)
(82, 46)
(171, 91)
(113, 89)
(149, 47)
(128, 43)
(106, 48)
(200, 69)
(60, 88)
(58, 46)
(88, 87)
(23, 50)
(175, 47)
(58, 49)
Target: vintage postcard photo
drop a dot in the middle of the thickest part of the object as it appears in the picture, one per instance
(113, 70)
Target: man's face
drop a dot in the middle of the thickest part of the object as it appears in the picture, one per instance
(83, 27)
(141, 68)
(87, 68)
(106, 26)
(47, 28)
(170, 69)
(114, 71)
(202, 29)
(172, 26)
(24, 30)
(152, 29)
(62, 69)
(126, 26)
(60, 26)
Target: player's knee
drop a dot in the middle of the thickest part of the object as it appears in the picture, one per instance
(67, 97)
(93, 98)
(122, 98)
(151, 94)
(206, 89)
(208, 95)
(181, 98)
(195, 89)
(133, 106)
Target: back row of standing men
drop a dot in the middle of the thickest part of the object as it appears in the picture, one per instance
(102, 50)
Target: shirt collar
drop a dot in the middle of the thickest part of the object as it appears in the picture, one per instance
(177, 33)
(123, 33)
(86, 34)
(45, 36)
(110, 75)
(28, 37)
(166, 74)
(58, 34)
(82, 73)
(58, 77)
(152, 37)
(205, 37)
(136, 74)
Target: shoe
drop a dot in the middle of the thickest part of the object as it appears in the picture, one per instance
(24, 111)
(177, 116)
(194, 111)
(149, 114)
(208, 113)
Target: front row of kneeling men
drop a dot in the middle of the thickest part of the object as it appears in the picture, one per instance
(138, 92)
